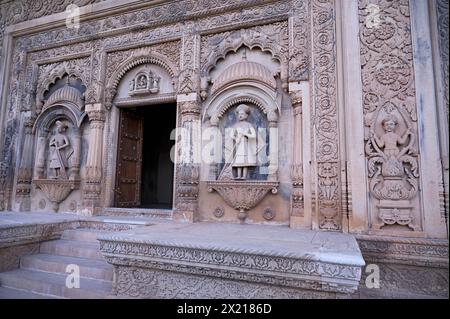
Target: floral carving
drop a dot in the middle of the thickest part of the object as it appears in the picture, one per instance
(299, 41)
(390, 114)
(326, 116)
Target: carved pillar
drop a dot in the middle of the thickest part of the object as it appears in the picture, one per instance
(74, 163)
(39, 163)
(188, 148)
(92, 185)
(187, 162)
(325, 116)
(25, 169)
(297, 203)
(273, 150)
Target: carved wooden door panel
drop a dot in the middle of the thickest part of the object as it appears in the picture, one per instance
(129, 160)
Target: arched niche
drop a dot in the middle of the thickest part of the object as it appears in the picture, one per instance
(58, 132)
(253, 84)
(120, 89)
(59, 81)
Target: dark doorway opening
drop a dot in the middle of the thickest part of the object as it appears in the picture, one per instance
(157, 166)
(145, 169)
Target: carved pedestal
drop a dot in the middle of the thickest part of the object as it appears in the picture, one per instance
(56, 190)
(242, 195)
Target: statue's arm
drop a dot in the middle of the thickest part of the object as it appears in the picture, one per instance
(250, 133)
(66, 143)
(379, 141)
(403, 139)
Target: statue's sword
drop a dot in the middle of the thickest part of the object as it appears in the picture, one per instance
(63, 168)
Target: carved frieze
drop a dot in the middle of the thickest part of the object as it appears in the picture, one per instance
(443, 27)
(299, 41)
(325, 116)
(271, 37)
(390, 115)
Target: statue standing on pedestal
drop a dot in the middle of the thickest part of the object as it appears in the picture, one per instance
(59, 151)
(244, 143)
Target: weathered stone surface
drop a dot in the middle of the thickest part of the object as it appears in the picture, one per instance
(326, 263)
(345, 122)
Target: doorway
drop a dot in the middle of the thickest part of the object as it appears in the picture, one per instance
(145, 171)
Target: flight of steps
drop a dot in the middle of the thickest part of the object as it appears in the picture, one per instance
(44, 275)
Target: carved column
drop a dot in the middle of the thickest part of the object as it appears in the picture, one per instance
(188, 148)
(92, 185)
(25, 169)
(74, 163)
(297, 204)
(187, 163)
(325, 116)
(39, 163)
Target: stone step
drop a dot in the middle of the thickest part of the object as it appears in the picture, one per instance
(89, 268)
(54, 284)
(138, 212)
(10, 293)
(72, 248)
(82, 234)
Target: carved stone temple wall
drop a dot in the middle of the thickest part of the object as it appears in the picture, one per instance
(330, 115)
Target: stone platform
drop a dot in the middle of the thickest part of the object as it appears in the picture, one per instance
(211, 260)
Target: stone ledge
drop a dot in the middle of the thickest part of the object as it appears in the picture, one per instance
(264, 255)
(408, 251)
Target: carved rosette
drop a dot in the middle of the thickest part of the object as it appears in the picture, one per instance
(299, 41)
(390, 113)
(242, 195)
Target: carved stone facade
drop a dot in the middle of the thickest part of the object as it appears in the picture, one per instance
(283, 117)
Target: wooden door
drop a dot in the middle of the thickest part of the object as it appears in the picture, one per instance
(129, 160)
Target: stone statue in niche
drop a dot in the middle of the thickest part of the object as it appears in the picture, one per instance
(60, 152)
(243, 154)
(235, 183)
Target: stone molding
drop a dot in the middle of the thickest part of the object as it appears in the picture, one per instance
(238, 264)
(138, 282)
(411, 251)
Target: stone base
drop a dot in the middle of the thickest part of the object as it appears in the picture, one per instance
(208, 260)
(408, 267)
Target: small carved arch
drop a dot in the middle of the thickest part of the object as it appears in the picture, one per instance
(268, 103)
(221, 53)
(56, 74)
(132, 62)
(66, 110)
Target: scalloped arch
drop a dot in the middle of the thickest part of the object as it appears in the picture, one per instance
(242, 99)
(132, 62)
(52, 78)
(234, 47)
(65, 110)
